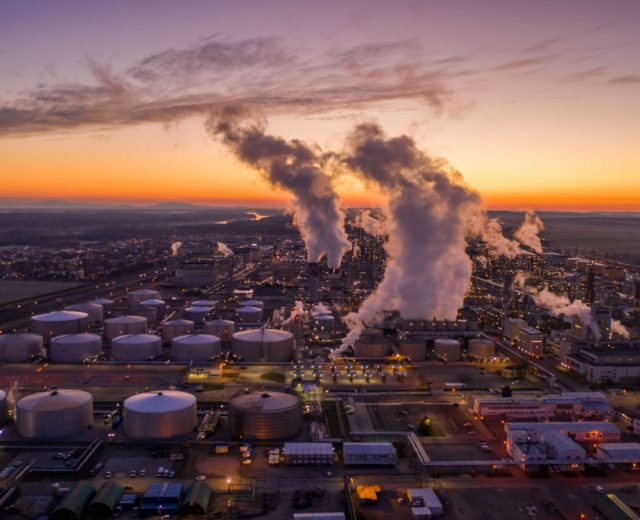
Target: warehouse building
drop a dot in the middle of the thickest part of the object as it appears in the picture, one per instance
(369, 454)
(308, 453)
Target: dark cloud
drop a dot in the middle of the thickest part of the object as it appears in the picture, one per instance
(177, 83)
(631, 79)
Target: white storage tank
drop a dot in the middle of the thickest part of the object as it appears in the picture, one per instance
(197, 314)
(204, 303)
(252, 303)
(263, 345)
(160, 306)
(19, 347)
(135, 297)
(249, 314)
(3, 406)
(195, 347)
(325, 322)
(159, 415)
(59, 322)
(224, 329)
(114, 327)
(95, 311)
(149, 313)
(372, 343)
(75, 348)
(480, 348)
(58, 414)
(447, 349)
(136, 347)
(174, 328)
(265, 416)
(414, 348)
(106, 304)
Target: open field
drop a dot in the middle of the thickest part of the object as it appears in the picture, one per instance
(14, 290)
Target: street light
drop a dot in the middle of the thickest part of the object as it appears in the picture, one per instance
(228, 484)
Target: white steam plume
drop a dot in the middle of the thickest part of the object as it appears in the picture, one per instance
(619, 328)
(297, 168)
(560, 304)
(374, 225)
(527, 233)
(175, 248)
(298, 310)
(320, 308)
(224, 249)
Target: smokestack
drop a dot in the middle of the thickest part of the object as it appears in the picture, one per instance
(313, 275)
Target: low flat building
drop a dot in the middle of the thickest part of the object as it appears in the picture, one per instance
(600, 366)
(626, 454)
(531, 342)
(308, 453)
(369, 453)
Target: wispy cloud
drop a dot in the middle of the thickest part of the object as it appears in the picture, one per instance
(631, 79)
(264, 72)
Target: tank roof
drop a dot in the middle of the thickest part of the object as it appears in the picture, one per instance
(160, 402)
(153, 301)
(126, 319)
(55, 400)
(179, 322)
(265, 401)
(61, 316)
(263, 335)
(136, 338)
(75, 338)
(220, 322)
(198, 308)
(196, 339)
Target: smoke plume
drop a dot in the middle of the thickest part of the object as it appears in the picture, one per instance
(374, 225)
(296, 311)
(559, 304)
(527, 233)
(175, 248)
(297, 168)
(224, 249)
(619, 328)
(320, 308)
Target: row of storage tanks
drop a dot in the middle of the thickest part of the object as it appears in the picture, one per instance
(155, 415)
(373, 344)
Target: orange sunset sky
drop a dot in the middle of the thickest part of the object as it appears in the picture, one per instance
(537, 108)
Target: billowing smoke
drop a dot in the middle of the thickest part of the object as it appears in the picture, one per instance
(320, 308)
(490, 230)
(559, 304)
(356, 326)
(619, 328)
(374, 225)
(297, 311)
(297, 168)
(224, 249)
(175, 248)
(527, 233)
(429, 210)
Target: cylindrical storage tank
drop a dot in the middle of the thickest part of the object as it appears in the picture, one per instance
(114, 327)
(58, 414)
(197, 314)
(252, 303)
(224, 329)
(204, 303)
(263, 345)
(59, 322)
(159, 415)
(95, 311)
(160, 306)
(375, 346)
(20, 347)
(136, 347)
(75, 348)
(195, 347)
(106, 304)
(325, 322)
(135, 297)
(447, 349)
(3, 406)
(249, 314)
(269, 416)
(174, 328)
(149, 313)
(414, 348)
(481, 348)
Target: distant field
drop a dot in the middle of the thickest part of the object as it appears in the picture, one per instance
(614, 232)
(12, 290)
